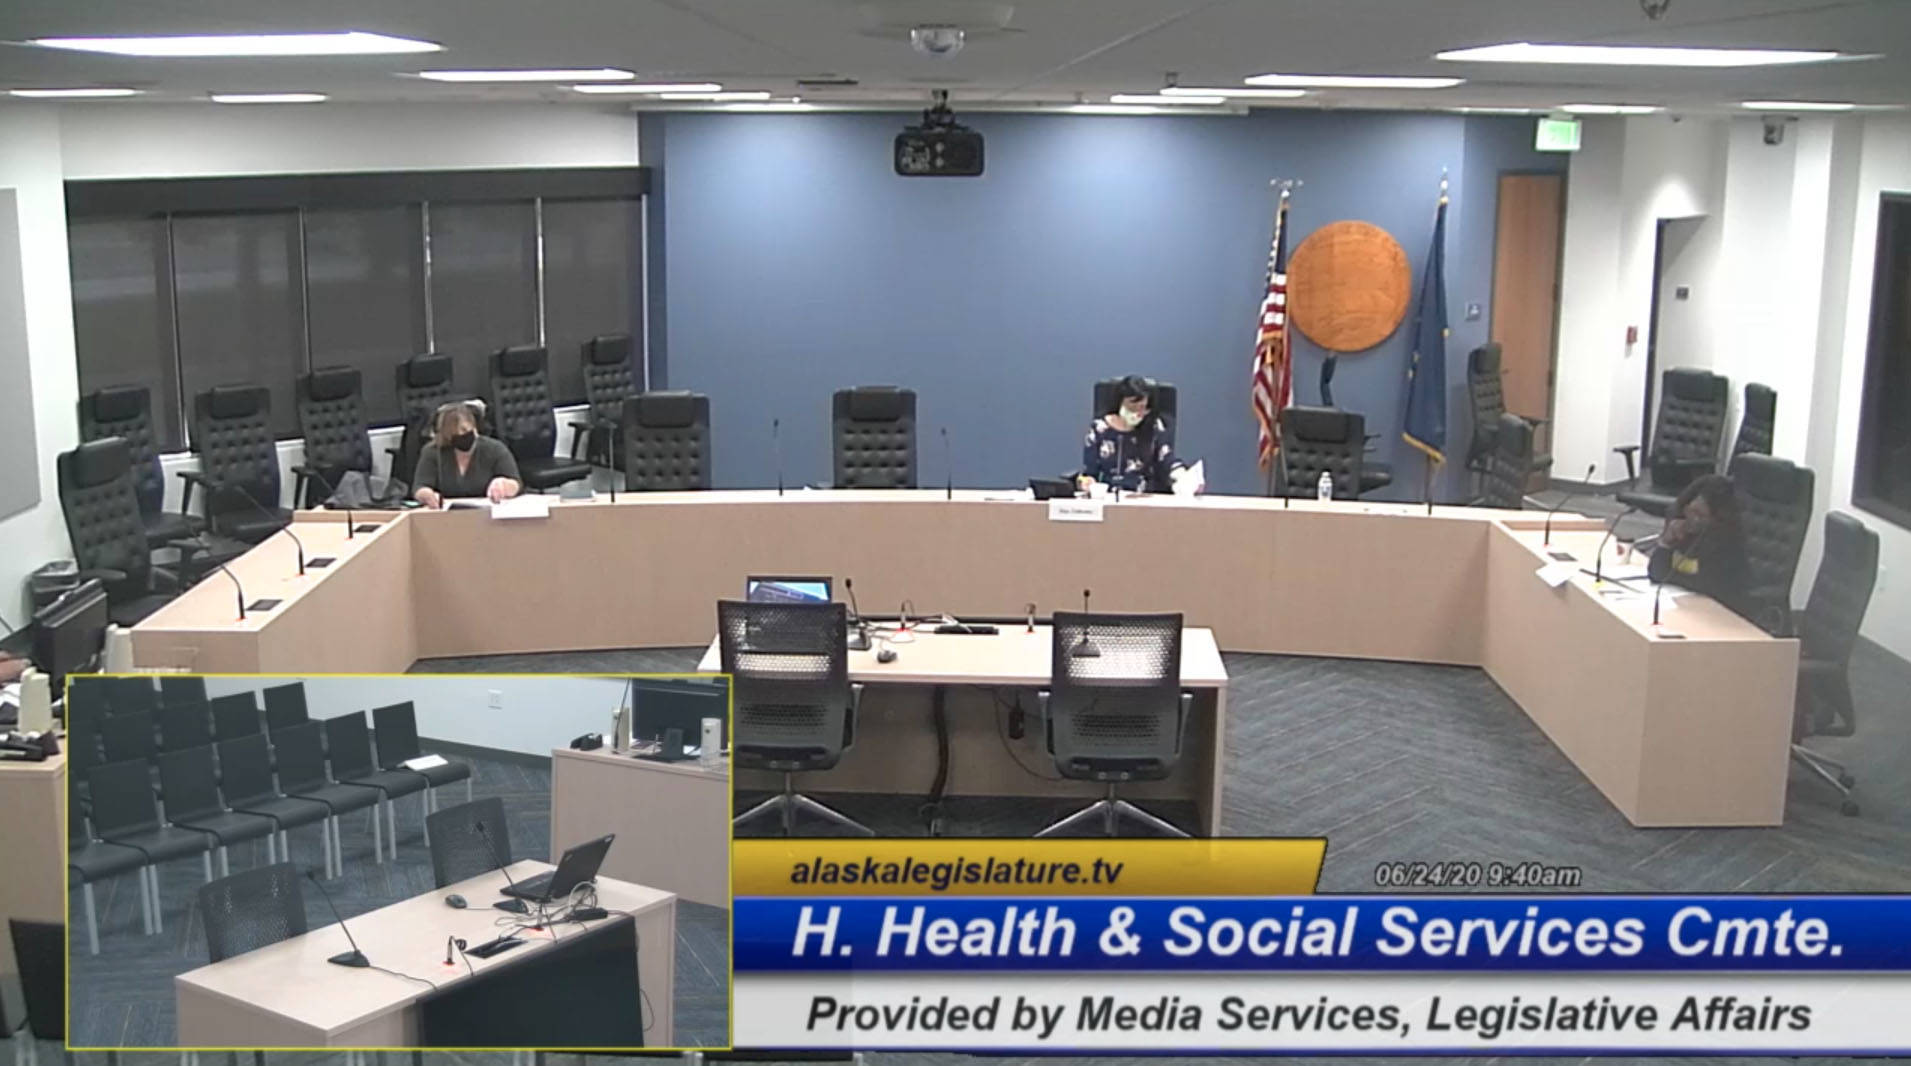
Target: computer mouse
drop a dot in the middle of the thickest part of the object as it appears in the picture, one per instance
(886, 655)
(455, 901)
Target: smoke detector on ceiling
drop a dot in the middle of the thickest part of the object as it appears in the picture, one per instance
(939, 41)
(936, 28)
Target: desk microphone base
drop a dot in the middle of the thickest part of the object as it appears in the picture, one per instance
(355, 959)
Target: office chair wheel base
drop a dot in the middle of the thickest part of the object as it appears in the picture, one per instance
(1847, 780)
(1848, 809)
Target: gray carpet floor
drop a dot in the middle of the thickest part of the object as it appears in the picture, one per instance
(123, 996)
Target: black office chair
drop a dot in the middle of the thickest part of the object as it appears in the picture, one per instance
(238, 462)
(874, 432)
(1685, 439)
(301, 760)
(610, 378)
(285, 706)
(125, 813)
(39, 952)
(175, 690)
(125, 695)
(109, 539)
(794, 706)
(250, 910)
(235, 715)
(1774, 500)
(348, 745)
(128, 737)
(1162, 397)
(184, 726)
(126, 412)
(1486, 395)
(1503, 478)
(188, 781)
(520, 409)
(1317, 440)
(1114, 710)
(666, 441)
(424, 385)
(1757, 422)
(1828, 631)
(245, 785)
(331, 409)
(89, 861)
(395, 730)
(458, 850)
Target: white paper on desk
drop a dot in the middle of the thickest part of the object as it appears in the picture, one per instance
(531, 506)
(1557, 574)
(423, 762)
(1190, 480)
(1067, 510)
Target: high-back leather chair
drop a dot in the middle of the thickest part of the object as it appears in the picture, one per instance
(238, 462)
(1503, 482)
(1316, 440)
(523, 419)
(424, 385)
(874, 429)
(1486, 396)
(1758, 421)
(610, 377)
(1828, 632)
(1161, 397)
(337, 440)
(104, 527)
(126, 412)
(1774, 499)
(1685, 439)
(666, 440)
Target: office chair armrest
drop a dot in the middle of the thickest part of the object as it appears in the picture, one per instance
(165, 579)
(301, 473)
(1533, 422)
(106, 574)
(1631, 452)
(193, 479)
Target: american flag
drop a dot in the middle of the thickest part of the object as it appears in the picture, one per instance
(1273, 366)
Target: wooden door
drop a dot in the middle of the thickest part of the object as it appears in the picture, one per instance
(1526, 289)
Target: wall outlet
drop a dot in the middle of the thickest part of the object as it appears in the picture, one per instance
(1884, 577)
(497, 699)
(1474, 312)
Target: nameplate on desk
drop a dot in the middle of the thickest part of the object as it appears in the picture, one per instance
(533, 506)
(1063, 510)
(1557, 574)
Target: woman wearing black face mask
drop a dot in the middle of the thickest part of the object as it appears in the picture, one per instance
(1133, 445)
(460, 463)
(1703, 548)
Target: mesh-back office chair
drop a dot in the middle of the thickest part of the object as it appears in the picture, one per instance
(424, 385)
(1116, 714)
(1317, 440)
(873, 428)
(1757, 422)
(666, 441)
(39, 952)
(126, 412)
(348, 745)
(1685, 439)
(1508, 466)
(238, 462)
(109, 538)
(301, 762)
(459, 850)
(1828, 631)
(1486, 395)
(125, 813)
(187, 779)
(1774, 500)
(795, 709)
(337, 440)
(610, 377)
(89, 861)
(251, 910)
(395, 727)
(1161, 397)
(521, 412)
(245, 784)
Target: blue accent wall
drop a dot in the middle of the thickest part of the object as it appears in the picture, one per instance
(794, 262)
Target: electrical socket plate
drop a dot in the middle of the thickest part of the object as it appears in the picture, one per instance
(497, 699)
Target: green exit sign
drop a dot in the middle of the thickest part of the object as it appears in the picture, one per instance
(1557, 135)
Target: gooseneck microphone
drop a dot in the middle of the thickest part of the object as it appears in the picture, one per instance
(1084, 648)
(948, 464)
(515, 906)
(1585, 486)
(353, 958)
(331, 494)
(1599, 558)
(285, 529)
(776, 447)
(859, 629)
(1121, 466)
(1657, 588)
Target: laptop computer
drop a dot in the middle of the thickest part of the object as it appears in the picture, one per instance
(578, 865)
(758, 589)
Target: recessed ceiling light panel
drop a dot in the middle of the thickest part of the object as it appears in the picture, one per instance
(1628, 55)
(350, 43)
(598, 74)
(1350, 81)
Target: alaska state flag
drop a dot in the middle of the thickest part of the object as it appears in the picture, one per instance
(1425, 425)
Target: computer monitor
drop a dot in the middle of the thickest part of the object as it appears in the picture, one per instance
(787, 590)
(658, 706)
(69, 633)
(580, 992)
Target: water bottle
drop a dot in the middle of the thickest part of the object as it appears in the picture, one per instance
(1324, 489)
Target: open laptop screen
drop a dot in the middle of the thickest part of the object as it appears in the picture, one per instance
(787, 590)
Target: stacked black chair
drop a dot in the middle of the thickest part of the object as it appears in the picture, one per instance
(235, 715)
(424, 385)
(134, 693)
(301, 760)
(1503, 478)
(524, 419)
(795, 708)
(666, 441)
(187, 780)
(103, 524)
(874, 430)
(245, 785)
(1162, 397)
(1774, 508)
(349, 746)
(180, 689)
(1486, 395)
(247, 911)
(1685, 439)
(1828, 631)
(129, 736)
(89, 861)
(1316, 441)
(285, 706)
(610, 378)
(1114, 710)
(184, 726)
(125, 813)
(1757, 422)
(238, 462)
(459, 851)
(337, 440)
(126, 412)
(39, 952)
(395, 728)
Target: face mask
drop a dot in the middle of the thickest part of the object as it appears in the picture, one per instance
(465, 441)
(1130, 418)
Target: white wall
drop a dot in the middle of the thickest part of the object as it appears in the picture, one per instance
(30, 165)
(537, 713)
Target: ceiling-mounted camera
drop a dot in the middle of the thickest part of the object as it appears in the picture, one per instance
(940, 147)
(939, 41)
(1775, 128)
